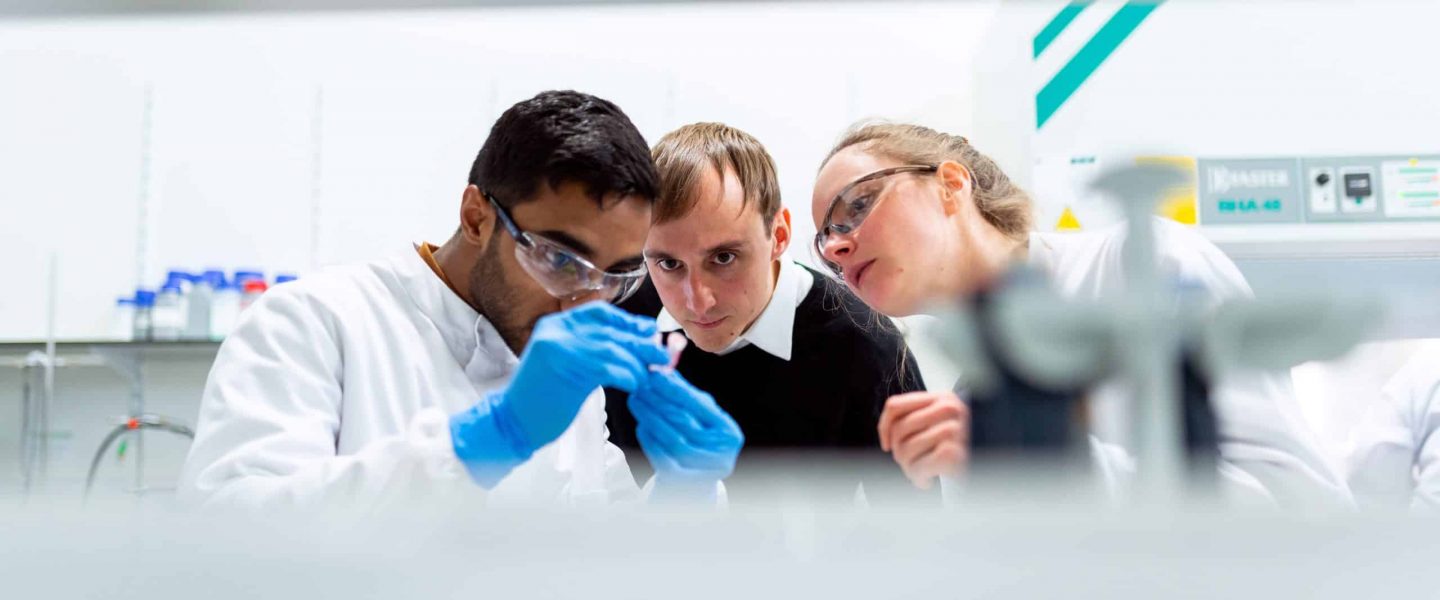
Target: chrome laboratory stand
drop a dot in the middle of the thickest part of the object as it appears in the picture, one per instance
(129, 361)
(1135, 336)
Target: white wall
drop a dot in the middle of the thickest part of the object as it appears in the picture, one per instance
(289, 142)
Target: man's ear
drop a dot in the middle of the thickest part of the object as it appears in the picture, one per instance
(780, 233)
(956, 180)
(477, 217)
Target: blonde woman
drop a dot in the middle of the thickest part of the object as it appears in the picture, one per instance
(909, 216)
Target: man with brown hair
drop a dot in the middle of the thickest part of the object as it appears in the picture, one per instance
(799, 362)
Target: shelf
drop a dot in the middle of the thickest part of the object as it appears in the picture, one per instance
(71, 344)
(78, 353)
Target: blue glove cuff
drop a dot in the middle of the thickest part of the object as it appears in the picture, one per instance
(488, 441)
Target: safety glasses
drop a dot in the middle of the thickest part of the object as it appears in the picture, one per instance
(854, 202)
(563, 272)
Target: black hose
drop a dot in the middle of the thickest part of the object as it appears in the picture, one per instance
(144, 422)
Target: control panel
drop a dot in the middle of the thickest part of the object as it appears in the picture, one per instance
(1319, 189)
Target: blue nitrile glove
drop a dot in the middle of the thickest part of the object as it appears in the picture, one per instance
(569, 355)
(689, 439)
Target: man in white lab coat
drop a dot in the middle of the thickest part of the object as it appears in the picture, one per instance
(1395, 458)
(406, 375)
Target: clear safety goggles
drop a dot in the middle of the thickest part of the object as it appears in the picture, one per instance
(854, 202)
(563, 272)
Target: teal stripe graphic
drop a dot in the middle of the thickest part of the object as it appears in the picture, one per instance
(1057, 25)
(1089, 58)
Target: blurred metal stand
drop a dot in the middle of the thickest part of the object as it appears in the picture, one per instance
(1138, 336)
(36, 370)
(129, 361)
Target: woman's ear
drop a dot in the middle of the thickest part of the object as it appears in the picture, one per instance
(956, 181)
(780, 233)
(477, 217)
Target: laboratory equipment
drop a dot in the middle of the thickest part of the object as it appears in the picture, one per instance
(241, 276)
(250, 291)
(224, 308)
(1137, 335)
(144, 313)
(199, 304)
(674, 343)
(132, 425)
(169, 315)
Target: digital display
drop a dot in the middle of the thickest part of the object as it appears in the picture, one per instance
(1358, 185)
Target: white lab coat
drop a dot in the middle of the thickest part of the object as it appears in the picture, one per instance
(1267, 451)
(338, 387)
(1395, 456)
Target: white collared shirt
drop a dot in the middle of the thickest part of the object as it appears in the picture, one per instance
(774, 331)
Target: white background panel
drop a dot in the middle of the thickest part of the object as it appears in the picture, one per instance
(395, 157)
(70, 135)
(231, 174)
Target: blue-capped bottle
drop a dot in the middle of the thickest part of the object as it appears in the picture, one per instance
(243, 275)
(144, 308)
(224, 309)
(168, 318)
(200, 304)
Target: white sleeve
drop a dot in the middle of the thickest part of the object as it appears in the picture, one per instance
(1395, 456)
(619, 481)
(1382, 456)
(270, 418)
(1262, 430)
(1423, 381)
(616, 478)
(1263, 435)
(1427, 463)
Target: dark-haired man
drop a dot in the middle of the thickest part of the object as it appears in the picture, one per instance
(402, 376)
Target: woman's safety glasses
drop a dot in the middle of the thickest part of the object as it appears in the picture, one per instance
(563, 272)
(850, 207)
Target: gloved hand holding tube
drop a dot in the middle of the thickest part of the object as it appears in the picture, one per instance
(569, 354)
(691, 442)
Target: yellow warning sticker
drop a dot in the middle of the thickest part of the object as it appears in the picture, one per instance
(1068, 222)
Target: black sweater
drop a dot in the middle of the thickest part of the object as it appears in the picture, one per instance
(845, 361)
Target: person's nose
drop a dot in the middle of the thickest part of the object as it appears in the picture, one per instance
(837, 249)
(699, 298)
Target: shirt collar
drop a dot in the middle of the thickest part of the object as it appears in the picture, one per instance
(471, 338)
(774, 330)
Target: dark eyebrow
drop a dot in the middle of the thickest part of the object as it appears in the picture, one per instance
(569, 241)
(727, 245)
(658, 255)
(626, 264)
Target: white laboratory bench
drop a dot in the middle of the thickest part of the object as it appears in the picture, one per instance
(792, 552)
